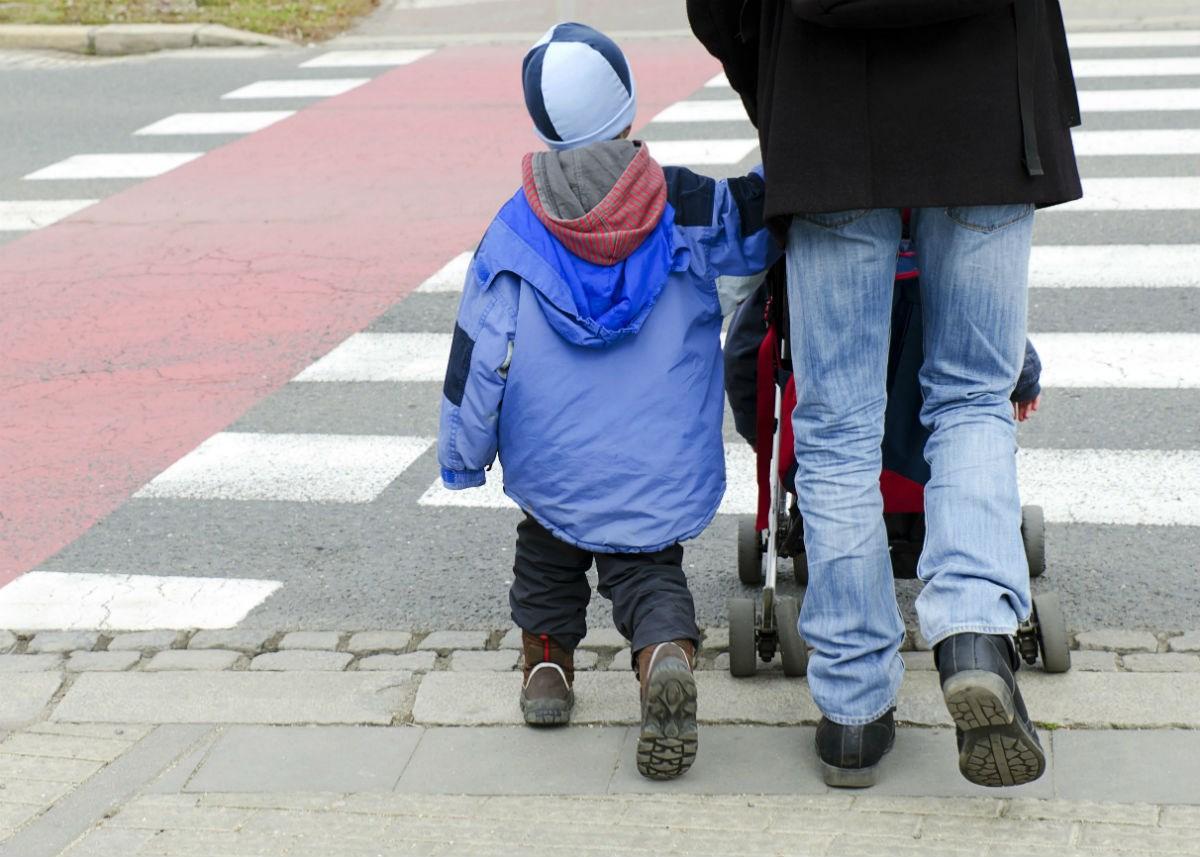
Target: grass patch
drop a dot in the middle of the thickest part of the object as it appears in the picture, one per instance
(299, 21)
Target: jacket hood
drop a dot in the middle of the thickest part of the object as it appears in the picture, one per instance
(601, 238)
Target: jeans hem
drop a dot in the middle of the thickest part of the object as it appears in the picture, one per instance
(969, 629)
(859, 721)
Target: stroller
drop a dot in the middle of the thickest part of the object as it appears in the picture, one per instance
(762, 395)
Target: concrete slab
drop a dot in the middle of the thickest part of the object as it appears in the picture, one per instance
(517, 760)
(1159, 766)
(306, 759)
(235, 697)
(734, 760)
(25, 695)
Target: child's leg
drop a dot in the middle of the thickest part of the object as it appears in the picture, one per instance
(548, 598)
(653, 608)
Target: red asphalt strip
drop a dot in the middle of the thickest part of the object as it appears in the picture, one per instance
(136, 329)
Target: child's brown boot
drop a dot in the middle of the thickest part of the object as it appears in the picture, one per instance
(667, 746)
(546, 695)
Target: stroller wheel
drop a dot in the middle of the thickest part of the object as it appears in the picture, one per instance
(800, 568)
(1052, 632)
(750, 553)
(743, 653)
(791, 644)
(1033, 534)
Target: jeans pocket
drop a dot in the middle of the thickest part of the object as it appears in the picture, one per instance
(834, 219)
(989, 218)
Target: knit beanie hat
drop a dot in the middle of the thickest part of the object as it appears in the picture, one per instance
(578, 87)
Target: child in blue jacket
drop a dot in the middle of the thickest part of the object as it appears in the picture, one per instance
(587, 355)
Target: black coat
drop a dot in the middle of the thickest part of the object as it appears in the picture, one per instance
(896, 103)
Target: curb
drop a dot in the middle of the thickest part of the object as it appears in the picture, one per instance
(122, 39)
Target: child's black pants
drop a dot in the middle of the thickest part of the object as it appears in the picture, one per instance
(650, 599)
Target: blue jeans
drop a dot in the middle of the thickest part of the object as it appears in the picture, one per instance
(974, 265)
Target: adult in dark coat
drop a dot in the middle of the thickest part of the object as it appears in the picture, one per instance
(959, 110)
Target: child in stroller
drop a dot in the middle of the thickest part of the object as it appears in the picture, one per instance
(762, 395)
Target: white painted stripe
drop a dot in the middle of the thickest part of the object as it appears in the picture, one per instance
(1136, 194)
(128, 602)
(1126, 360)
(1108, 486)
(227, 122)
(135, 165)
(717, 82)
(701, 152)
(300, 467)
(1137, 67)
(24, 214)
(302, 88)
(1142, 266)
(384, 357)
(1175, 141)
(451, 275)
(1087, 486)
(1117, 100)
(1136, 39)
(704, 111)
(355, 59)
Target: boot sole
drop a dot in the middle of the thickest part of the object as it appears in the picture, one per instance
(547, 712)
(667, 745)
(998, 749)
(849, 778)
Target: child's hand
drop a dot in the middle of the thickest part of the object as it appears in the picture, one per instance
(1024, 410)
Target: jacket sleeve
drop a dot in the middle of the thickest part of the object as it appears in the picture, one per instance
(867, 14)
(729, 31)
(480, 353)
(724, 220)
(1029, 385)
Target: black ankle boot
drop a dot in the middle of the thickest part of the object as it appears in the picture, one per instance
(997, 744)
(850, 754)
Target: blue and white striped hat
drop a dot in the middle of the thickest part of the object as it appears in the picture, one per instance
(578, 87)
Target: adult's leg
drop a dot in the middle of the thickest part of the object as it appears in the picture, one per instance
(841, 268)
(650, 597)
(550, 590)
(974, 266)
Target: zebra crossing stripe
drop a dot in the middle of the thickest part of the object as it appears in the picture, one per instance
(704, 111)
(1136, 39)
(25, 214)
(1118, 100)
(56, 600)
(1092, 486)
(134, 165)
(1142, 266)
(1179, 193)
(356, 59)
(301, 88)
(1182, 141)
(1125, 360)
(450, 277)
(701, 152)
(384, 357)
(318, 468)
(1137, 67)
(226, 122)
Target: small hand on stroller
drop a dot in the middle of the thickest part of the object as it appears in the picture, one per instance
(1024, 410)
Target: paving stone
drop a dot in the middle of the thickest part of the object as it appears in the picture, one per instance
(302, 660)
(365, 642)
(50, 770)
(13, 815)
(238, 639)
(447, 641)
(1156, 766)
(186, 659)
(918, 660)
(143, 641)
(1188, 642)
(62, 747)
(978, 807)
(715, 639)
(604, 638)
(1130, 839)
(63, 641)
(421, 661)
(119, 731)
(29, 663)
(25, 695)
(1091, 661)
(8, 642)
(1171, 662)
(106, 661)
(721, 662)
(110, 842)
(586, 660)
(33, 791)
(1116, 813)
(306, 759)
(236, 697)
(511, 639)
(620, 661)
(1117, 640)
(497, 661)
(1180, 816)
(305, 640)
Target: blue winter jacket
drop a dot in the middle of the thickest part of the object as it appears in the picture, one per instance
(601, 386)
